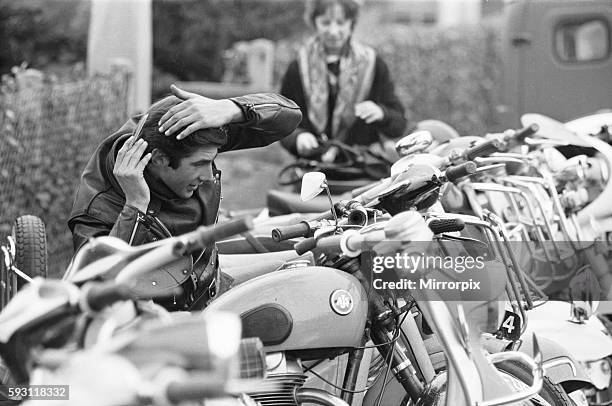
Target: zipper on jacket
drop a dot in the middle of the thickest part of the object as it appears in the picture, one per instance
(264, 105)
(139, 219)
(162, 225)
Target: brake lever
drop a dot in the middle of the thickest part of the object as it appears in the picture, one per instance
(491, 167)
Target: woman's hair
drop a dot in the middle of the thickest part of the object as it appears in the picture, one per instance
(315, 8)
(175, 149)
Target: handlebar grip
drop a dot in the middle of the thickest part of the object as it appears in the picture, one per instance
(100, 295)
(205, 236)
(303, 247)
(523, 133)
(282, 233)
(459, 171)
(333, 242)
(252, 358)
(483, 149)
(439, 226)
(194, 389)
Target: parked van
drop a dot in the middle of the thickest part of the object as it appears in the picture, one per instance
(557, 59)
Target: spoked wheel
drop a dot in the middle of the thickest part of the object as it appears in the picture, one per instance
(553, 394)
(30, 250)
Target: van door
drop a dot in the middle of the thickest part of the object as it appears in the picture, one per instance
(557, 58)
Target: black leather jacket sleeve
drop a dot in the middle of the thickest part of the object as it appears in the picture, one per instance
(268, 117)
(131, 226)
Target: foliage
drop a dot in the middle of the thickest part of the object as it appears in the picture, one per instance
(190, 36)
(50, 130)
(450, 75)
(42, 32)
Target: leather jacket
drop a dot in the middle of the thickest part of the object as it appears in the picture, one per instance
(99, 207)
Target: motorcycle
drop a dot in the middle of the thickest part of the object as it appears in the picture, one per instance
(283, 318)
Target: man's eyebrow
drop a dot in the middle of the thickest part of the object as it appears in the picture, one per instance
(204, 161)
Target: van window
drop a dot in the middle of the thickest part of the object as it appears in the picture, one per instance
(582, 41)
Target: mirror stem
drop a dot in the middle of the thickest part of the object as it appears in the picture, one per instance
(331, 203)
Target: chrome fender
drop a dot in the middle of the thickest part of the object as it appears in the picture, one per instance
(585, 342)
(559, 365)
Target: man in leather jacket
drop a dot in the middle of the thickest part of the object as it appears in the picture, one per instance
(163, 182)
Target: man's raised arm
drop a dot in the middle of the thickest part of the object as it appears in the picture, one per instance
(254, 120)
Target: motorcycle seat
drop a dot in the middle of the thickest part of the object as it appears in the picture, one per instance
(285, 203)
(243, 267)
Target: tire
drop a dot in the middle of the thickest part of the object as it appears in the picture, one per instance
(30, 248)
(554, 394)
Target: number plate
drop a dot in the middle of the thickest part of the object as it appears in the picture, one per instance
(511, 326)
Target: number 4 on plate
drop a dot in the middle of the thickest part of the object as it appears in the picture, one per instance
(511, 326)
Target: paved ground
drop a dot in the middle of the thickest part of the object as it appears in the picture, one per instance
(249, 174)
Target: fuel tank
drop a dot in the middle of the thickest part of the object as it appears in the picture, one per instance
(306, 308)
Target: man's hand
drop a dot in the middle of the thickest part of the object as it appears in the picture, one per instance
(369, 111)
(128, 171)
(197, 112)
(305, 143)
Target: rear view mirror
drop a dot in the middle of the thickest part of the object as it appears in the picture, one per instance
(414, 143)
(313, 183)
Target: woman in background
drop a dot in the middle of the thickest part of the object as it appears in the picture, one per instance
(343, 88)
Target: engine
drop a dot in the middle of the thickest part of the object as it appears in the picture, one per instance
(283, 380)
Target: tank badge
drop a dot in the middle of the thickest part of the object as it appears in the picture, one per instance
(341, 302)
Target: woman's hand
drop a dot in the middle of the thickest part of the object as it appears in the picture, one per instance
(305, 143)
(197, 112)
(129, 169)
(369, 111)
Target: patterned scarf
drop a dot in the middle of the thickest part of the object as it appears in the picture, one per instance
(354, 84)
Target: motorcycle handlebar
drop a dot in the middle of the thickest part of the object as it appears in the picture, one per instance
(205, 236)
(333, 241)
(197, 388)
(520, 135)
(453, 173)
(97, 296)
(439, 226)
(304, 246)
(483, 149)
(282, 233)
(350, 242)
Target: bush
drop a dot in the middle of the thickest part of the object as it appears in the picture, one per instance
(451, 75)
(43, 32)
(50, 130)
(190, 36)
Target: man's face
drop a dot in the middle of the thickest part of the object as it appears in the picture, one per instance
(192, 171)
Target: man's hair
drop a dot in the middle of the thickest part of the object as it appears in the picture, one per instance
(316, 8)
(175, 149)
